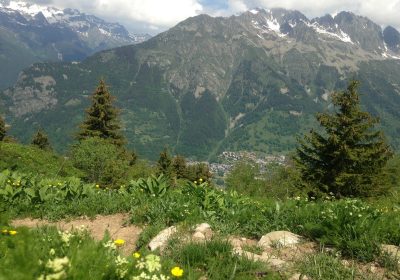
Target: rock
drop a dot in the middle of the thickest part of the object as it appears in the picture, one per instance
(235, 242)
(270, 260)
(161, 240)
(392, 250)
(279, 239)
(298, 276)
(198, 236)
(238, 242)
(205, 229)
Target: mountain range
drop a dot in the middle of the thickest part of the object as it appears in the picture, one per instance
(33, 33)
(247, 82)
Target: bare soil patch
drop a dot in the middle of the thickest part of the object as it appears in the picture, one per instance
(117, 226)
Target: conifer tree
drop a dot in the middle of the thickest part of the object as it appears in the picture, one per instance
(41, 140)
(348, 158)
(164, 163)
(102, 118)
(2, 128)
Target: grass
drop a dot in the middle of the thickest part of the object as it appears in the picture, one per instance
(322, 266)
(30, 159)
(214, 259)
(355, 228)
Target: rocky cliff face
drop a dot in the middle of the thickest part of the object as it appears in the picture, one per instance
(250, 82)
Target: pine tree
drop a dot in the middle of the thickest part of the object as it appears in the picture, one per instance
(2, 129)
(348, 158)
(41, 140)
(164, 164)
(102, 118)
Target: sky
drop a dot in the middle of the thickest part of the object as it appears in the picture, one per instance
(154, 16)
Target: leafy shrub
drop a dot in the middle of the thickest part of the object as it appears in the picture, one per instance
(101, 161)
(154, 186)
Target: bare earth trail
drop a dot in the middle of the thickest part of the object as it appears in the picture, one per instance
(117, 225)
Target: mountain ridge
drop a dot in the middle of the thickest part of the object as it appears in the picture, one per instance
(43, 33)
(213, 84)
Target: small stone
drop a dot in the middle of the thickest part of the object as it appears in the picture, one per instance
(235, 242)
(298, 276)
(392, 250)
(279, 239)
(198, 236)
(205, 229)
(161, 240)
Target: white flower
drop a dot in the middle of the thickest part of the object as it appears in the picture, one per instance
(110, 245)
(58, 264)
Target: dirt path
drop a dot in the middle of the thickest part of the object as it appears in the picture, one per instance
(117, 225)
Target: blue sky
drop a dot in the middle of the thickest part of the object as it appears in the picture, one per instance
(154, 16)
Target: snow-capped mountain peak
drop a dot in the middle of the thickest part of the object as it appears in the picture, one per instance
(84, 25)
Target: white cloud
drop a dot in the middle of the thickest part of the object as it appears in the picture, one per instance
(162, 14)
(153, 13)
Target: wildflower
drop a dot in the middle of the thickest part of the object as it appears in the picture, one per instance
(200, 180)
(12, 232)
(110, 245)
(58, 264)
(177, 271)
(4, 231)
(119, 242)
(136, 255)
(153, 263)
(97, 186)
(52, 252)
(121, 269)
(65, 236)
(195, 182)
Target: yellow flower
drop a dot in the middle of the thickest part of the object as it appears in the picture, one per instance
(97, 186)
(177, 271)
(201, 180)
(136, 255)
(119, 242)
(12, 232)
(4, 231)
(195, 182)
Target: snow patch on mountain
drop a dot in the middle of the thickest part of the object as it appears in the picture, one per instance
(341, 35)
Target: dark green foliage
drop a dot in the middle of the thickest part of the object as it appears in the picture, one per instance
(198, 171)
(180, 167)
(41, 140)
(102, 118)
(349, 157)
(2, 128)
(277, 181)
(164, 164)
(102, 162)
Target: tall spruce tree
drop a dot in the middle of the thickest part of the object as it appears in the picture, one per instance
(2, 128)
(102, 118)
(349, 157)
(41, 140)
